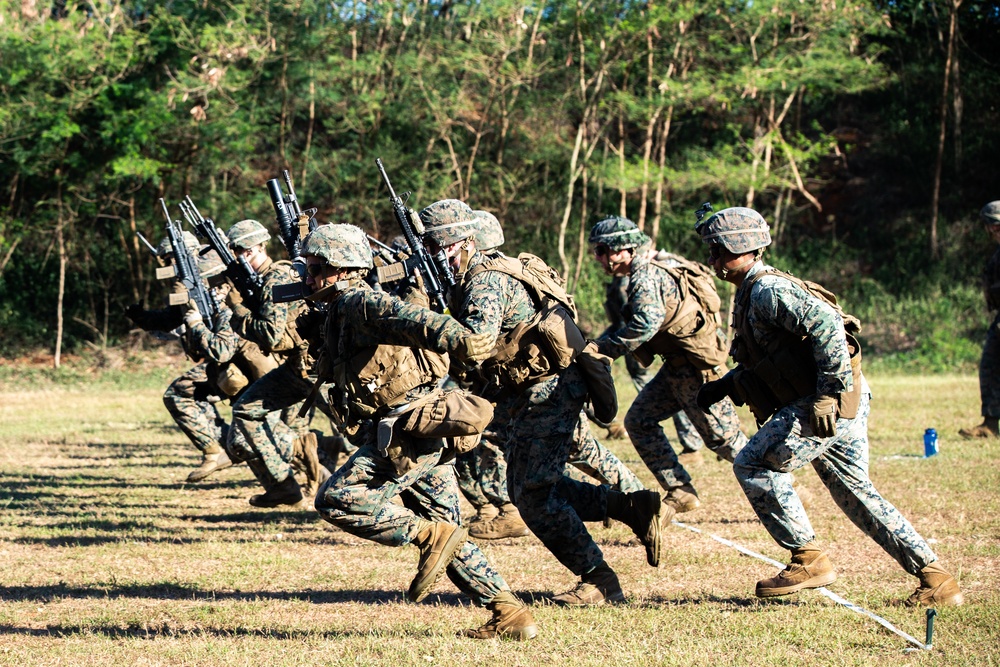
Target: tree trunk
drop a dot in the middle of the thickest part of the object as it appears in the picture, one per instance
(942, 133)
(61, 244)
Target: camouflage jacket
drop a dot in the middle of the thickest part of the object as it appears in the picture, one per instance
(653, 296)
(777, 309)
(491, 301)
(272, 325)
(991, 281)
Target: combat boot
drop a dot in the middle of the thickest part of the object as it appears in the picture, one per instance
(511, 620)
(616, 431)
(304, 450)
(286, 492)
(937, 589)
(599, 586)
(508, 523)
(810, 568)
(439, 543)
(682, 498)
(484, 514)
(990, 428)
(210, 463)
(642, 512)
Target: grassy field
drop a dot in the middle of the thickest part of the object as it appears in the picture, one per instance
(107, 556)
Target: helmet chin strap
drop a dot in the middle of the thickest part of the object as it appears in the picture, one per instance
(742, 265)
(613, 266)
(464, 257)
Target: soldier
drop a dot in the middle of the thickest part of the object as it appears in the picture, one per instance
(669, 320)
(989, 365)
(615, 300)
(386, 383)
(540, 396)
(800, 371)
(267, 431)
(482, 472)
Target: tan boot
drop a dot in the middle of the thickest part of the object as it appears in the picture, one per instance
(286, 492)
(937, 589)
(210, 463)
(508, 523)
(810, 568)
(599, 586)
(439, 542)
(988, 429)
(682, 498)
(616, 431)
(484, 514)
(306, 455)
(642, 512)
(511, 620)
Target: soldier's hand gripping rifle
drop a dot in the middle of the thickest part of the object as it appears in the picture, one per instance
(185, 268)
(434, 269)
(293, 222)
(246, 281)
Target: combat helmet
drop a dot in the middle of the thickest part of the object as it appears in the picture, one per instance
(164, 250)
(448, 221)
(738, 229)
(489, 233)
(342, 246)
(990, 214)
(247, 234)
(617, 233)
(209, 263)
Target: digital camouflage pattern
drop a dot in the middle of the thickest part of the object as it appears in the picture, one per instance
(653, 296)
(786, 443)
(448, 221)
(489, 233)
(990, 214)
(247, 234)
(615, 301)
(342, 246)
(539, 433)
(187, 401)
(358, 498)
(617, 233)
(165, 251)
(739, 230)
(989, 365)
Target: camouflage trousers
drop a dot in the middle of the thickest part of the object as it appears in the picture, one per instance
(539, 438)
(785, 444)
(188, 401)
(687, 436)
(482, 472)
(266, 423)
(675, 389)
(358, 499)
(989, 371)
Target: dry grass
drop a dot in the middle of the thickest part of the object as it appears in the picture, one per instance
(108, 557)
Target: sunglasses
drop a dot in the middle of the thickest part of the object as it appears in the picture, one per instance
(715, 251)
(315, 270)
(601, 250)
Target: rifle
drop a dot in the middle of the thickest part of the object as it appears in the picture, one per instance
(435, 270)
(238, 269)
(145, 242)
(185, 268)
(293, 222)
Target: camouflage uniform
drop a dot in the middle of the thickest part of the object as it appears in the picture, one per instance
(652, 294)
(615, 302)
(265, 417)
(777, 307)
(539, 435)
(358, 498)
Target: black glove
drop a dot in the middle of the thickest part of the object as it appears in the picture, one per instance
(136, 312)
(716, 390)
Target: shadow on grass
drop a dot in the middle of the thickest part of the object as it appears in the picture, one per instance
(170, 591)
(135, 631)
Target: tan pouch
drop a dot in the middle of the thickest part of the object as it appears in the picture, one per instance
(452, 414)
(561, 335)
(231, 380)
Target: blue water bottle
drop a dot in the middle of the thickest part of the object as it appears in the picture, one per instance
(930, 443)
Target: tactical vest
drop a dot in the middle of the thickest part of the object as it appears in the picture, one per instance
(693, 331)
(784, 370)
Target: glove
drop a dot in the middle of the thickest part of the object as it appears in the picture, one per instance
(823, 416)
(135, 312)
(192, 315)
(234, 298)
(474, 347)
(716, 390)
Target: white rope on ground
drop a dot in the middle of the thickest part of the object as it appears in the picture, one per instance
(830, 594)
